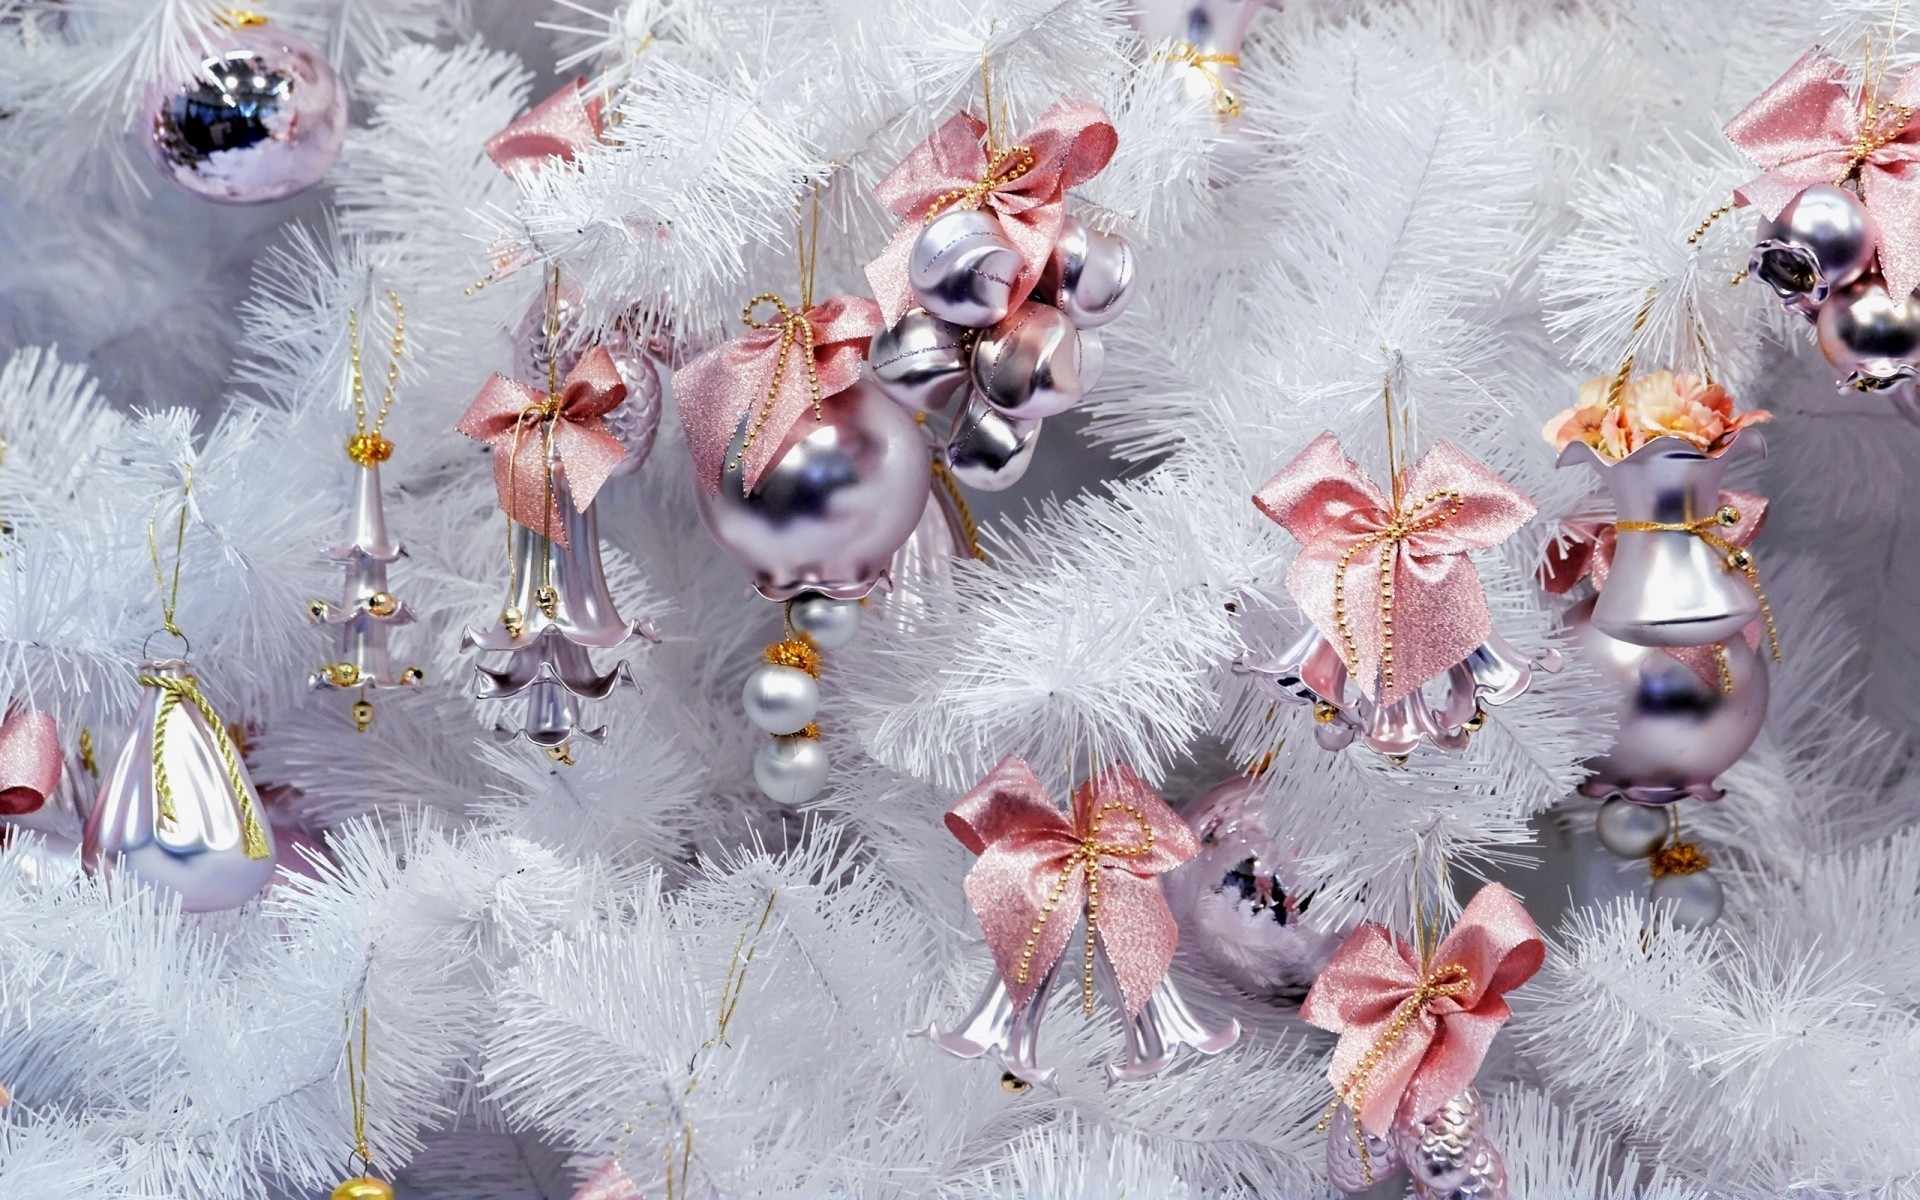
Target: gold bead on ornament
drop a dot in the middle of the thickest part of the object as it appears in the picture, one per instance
(413, 675)
(1728, 515)
(1477, 721)
(365, 1187)
(369, 448)
(1013, 1083)
(362, 715)
(318, 609)
(1325, 712)
(1741, 559)
(513, 620)
(383, 604)
(548, 598)
(342, 674)
(562, 754)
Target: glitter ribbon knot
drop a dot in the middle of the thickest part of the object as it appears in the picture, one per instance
(29, 760)
(522, 424)
(559, 127)
(1023, 186)
(1429, 610)
(1413, 1034)
(1808, 127)
(773, 374)
(1036, 865)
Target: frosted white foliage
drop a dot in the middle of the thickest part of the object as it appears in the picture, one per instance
(1450, 210)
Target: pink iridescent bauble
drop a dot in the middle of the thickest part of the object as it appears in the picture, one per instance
(260, 117)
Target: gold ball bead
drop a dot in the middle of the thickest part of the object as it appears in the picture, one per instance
(548, 598)
(1398, 760)
(1477, 721)
(1325, 712)
(413, 675)
(513, 619)
(318, 609)
(362, 715)
(343, 674)
(383, 604)
(366, 1187)
(1741, 559)
(1728, 515)
(1011, 1082)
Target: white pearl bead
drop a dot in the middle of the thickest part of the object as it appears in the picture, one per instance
(791, 770)
(1690, 901)
(826, 624)
(780, 699)
(1632, 830)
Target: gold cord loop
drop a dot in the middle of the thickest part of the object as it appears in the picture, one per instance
(1875, 132)
(1004, 167)
(1225, 103)
(368, 446)
(795, 330)
(173, 690)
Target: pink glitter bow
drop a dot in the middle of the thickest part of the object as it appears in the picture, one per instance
(777, 372)
(1809, 128)
(1071, 143)
(1393, 591)
(1424, 1028)
(29, 760)
(510, 416)
(1036, 870)
(610, 1182)
(559, 127)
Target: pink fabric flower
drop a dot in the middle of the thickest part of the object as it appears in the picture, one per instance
(1661, 404)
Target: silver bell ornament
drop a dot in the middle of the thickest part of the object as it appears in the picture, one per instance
(176, 808)
(1237, 903)
(541, 357)
(1207, 36)
(1823, 240)
(1162, 1028)
(988, 451)
(1028, 367)
(1089, 276)
(367, 610)
(1670, 585)
(258, 116)
(1871, 335)
(1448, 1156)
(962, 268)
(1010, 1037)
(1679, 725)
(920, 361)
(841, 496)
(1350, 1168)
(558, 609)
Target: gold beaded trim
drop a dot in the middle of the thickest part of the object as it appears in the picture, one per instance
(1738, 558)
(1086, 858)
(1003, 168)
(1389, 540)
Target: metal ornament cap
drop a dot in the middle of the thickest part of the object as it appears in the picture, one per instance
(1028, 366)
(1823, 240)
(841, 496)
(1864, 331)
(990, 452)
(1089, 276)
(199, 855)
(1669, 587)
(920, 361)
(962, 268)
(259, 117)
(1677, 731)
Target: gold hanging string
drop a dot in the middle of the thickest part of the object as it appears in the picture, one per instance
(368, 446)
(1086, 859)
(357, 1093)
(1737, 558)
(950, 487)
(175, 689)
(1225, 103)
(170, 593)
(1618, 387)
(1003, 166)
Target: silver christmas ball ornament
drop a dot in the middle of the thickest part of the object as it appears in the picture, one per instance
(791, 770)
(919, 360)
(1691, 900)
(962, 268)
(839, 499)
(541, 360)
(1632, 830)
(989, 451)
(780, 700)
(1677, 729)
(1028, 366)
(259, 116)
(1870, 334)
(1089, 276)
(1824, 239)
(825, 623)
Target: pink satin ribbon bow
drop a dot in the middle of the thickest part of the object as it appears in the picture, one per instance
(610, 1182)
(1032, 880)
(29, 760)
(770, 373)
(1445, 1014)
(509, 416)
(1809, 128)
(1070, 144)
(1436, 614)
(561, 126)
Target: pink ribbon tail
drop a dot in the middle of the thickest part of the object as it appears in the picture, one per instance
(29, 760)
(610, 1182)
(559, 127)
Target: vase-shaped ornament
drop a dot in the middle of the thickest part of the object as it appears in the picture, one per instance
(176, 808)
(1671, 584)
(367, 610)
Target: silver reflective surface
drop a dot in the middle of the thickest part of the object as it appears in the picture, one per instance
(791, 770)
(1868, 333)
(1028, 368)
(363, 632)
(962, 268)
(780, 700)
(988, 451)
(838, 501)
(1630, 830)
(1089, 276)
(1163, 1028)
(1690, 901)
(994, 1030)
(1669, 587)
(200, 855)
(920, 361)
(1824, 239)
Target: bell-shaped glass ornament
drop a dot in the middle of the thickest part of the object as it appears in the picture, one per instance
(176, 808)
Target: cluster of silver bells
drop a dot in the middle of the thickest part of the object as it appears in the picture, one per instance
(1818, 257)
(1631, 830)
(1444, 712)
(1016, 365)
(1010, 1037)
(1446, 1154)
